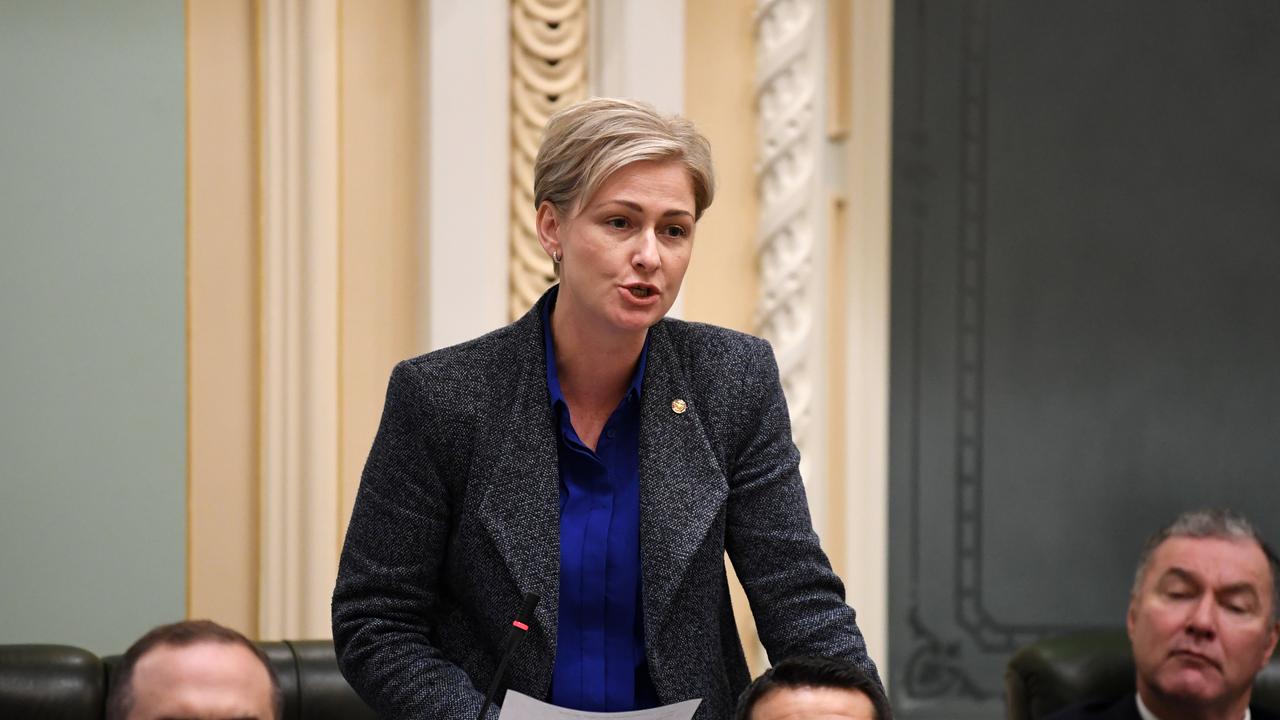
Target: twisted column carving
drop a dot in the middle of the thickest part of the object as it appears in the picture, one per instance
(787, 96)
(548, 72)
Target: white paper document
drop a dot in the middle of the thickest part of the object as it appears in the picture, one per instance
(523, 707)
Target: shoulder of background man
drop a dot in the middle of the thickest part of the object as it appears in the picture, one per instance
(1260, 713)
(1125, 708)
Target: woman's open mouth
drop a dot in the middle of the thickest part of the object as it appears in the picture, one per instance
(641, 291)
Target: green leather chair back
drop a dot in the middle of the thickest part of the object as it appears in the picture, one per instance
(1097, 664)
(50, 682)
(57, 682)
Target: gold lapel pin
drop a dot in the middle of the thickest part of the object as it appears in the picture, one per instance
(678, 406)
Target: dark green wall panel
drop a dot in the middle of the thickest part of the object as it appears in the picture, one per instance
(1086, 303)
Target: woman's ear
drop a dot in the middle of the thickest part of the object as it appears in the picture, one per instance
(548, 223)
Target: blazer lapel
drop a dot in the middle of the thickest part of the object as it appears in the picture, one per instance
(517, 465)
(682, 488)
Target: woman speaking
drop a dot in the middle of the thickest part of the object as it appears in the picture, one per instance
(596, 455)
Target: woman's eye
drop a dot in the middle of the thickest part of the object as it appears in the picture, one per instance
(617, 223)
(676, 231)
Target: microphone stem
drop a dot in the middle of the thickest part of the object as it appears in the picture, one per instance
(497, 676)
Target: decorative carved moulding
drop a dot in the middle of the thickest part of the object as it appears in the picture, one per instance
(548, 72)
(790, 152)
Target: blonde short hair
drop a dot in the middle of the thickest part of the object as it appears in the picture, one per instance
(587, 142)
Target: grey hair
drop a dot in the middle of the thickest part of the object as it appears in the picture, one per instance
(1212, 523)
(587, 142)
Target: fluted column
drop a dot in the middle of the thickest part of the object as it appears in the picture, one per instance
(300, 322)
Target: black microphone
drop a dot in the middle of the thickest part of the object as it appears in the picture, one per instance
(519, 628)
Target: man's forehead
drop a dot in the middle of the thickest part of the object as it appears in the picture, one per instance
(814, 703)
(203, 679)
(1227, 560)
(200, 655)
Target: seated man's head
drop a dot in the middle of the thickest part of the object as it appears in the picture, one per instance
(194, 670)
(1203, 615)
(806, 688)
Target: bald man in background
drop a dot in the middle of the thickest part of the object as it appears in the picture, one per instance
(194, 670)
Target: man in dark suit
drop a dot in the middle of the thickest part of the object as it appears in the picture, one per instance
(1203, 620)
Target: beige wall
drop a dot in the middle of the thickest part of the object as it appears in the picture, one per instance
(222, 322)
(722, 282)
(719, 97)
(863, 556)
(379, 223)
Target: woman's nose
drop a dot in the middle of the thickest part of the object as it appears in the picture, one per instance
(646, 256)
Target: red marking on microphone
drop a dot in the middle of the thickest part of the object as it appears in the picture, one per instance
(520, 625)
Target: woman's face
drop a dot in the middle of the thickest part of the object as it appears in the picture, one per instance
(625, 251)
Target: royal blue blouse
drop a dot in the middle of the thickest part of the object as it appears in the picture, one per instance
(600, 663)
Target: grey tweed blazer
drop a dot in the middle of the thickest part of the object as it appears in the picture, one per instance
(457, 517)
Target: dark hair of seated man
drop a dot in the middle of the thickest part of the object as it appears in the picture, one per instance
(802, 683)
(194, 668)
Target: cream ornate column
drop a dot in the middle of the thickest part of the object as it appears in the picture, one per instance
(823, 108)
(548, 72)
(793, 224)
(300, 322)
